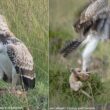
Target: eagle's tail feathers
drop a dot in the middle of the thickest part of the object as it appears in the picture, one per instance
(73, 45)
(28, 83)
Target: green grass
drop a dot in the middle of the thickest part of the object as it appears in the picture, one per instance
(62, 16)
(28, 20)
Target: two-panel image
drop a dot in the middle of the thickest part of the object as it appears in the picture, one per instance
(54, 55)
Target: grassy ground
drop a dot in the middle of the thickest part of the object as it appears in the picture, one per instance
(62, 16)
(28, 20)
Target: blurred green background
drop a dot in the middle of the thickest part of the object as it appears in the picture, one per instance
(62, 16)
(28, 20)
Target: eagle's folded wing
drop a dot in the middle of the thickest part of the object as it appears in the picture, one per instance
(21, 58)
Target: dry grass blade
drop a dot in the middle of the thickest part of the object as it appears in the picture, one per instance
(86, 94)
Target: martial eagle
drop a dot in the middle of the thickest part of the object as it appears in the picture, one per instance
(16, 62)
(93, 25)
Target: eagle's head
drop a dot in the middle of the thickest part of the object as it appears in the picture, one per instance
(3, 24)
(4, 29)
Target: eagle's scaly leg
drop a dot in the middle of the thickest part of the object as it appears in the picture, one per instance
(89, 49)
(1, 74)
(15, 88)
(15, 78)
